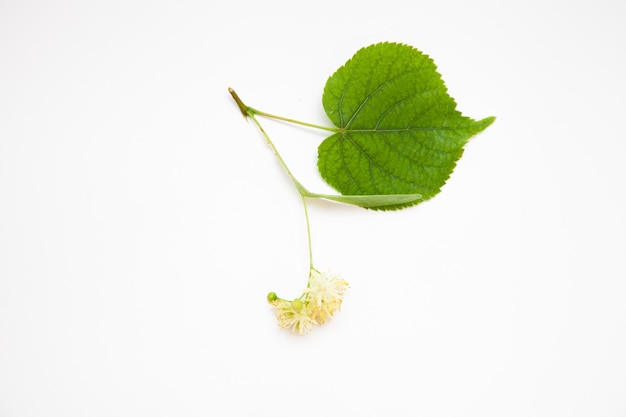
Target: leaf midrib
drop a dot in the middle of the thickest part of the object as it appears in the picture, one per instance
(406, 129)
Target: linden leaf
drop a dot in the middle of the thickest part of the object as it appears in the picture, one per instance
(399, 130)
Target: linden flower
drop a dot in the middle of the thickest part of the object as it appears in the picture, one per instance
(325, 293)
(319, 301)
(325, 288)
(325, 311)
(294, 315)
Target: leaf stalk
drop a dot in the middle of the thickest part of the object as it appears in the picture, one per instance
(249, 111)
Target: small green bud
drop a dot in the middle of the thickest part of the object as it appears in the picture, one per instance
(271, 297)
(297, 304)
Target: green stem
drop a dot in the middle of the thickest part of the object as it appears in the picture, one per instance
(286, 119)
(249, 111)
(242, 107)
(301, 190)
(308, 230)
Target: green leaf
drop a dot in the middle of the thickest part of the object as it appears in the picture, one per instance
(399, 130)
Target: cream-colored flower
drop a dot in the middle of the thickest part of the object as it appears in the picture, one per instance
(325, 311)
(325, 288)
(319, 301)
(294, 315)
(325, 293)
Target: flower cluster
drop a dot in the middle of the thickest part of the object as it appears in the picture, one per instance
(315, 306)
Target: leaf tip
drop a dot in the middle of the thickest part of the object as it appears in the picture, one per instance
(489, 120)
(486, 122)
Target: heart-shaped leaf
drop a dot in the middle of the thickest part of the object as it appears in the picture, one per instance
(399, 130)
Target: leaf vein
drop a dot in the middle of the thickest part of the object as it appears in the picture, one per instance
(381, 167)
(415, 162)
(345, 165)
(373, 93)
(400, 102)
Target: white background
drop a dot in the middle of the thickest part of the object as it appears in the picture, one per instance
(143, 221)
